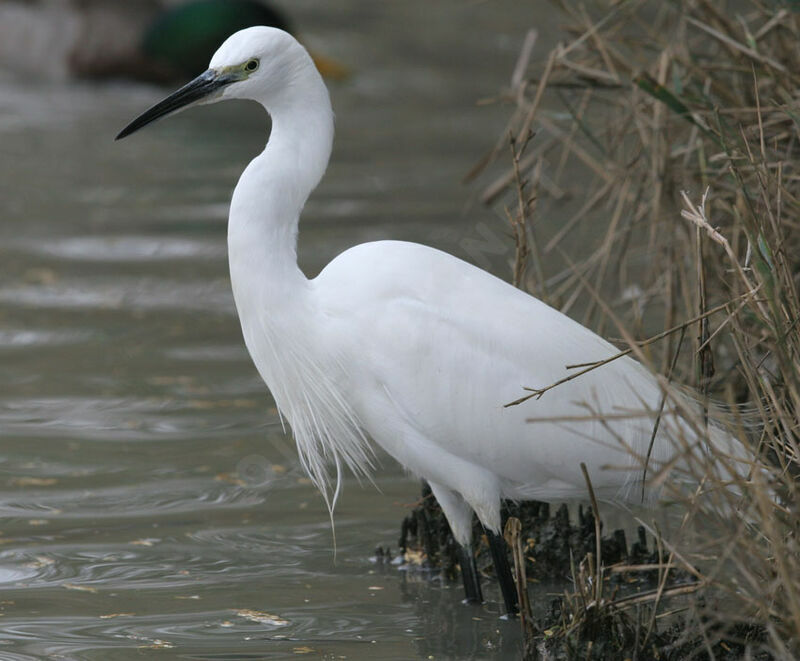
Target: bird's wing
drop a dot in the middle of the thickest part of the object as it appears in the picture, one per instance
(451, 344)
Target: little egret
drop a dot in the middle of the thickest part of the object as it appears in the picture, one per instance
(408, 345)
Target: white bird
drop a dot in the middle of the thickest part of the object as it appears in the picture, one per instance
(410, 346)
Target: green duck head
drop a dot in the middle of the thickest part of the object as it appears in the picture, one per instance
(181, 40)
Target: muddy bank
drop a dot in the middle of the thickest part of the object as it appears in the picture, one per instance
(641, 611)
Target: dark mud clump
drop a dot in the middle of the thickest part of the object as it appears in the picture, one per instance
(551, 541)
(580, 624)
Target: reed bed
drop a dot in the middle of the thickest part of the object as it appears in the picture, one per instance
(669, 131)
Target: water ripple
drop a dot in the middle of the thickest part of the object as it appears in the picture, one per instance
(129, 419)
(131, 294)
(202, 634)
(166, 496)
(126, 248)
(14, 338)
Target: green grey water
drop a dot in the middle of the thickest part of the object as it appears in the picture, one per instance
(150, 499)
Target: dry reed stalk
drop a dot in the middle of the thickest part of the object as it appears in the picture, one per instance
(643, 107)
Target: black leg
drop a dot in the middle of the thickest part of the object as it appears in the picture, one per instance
(503, 571)
(469, 573)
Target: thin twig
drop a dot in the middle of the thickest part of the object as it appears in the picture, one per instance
(588, 367)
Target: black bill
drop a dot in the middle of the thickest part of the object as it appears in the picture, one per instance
(201, 87)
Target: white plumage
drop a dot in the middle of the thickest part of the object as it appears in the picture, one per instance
(408, 345)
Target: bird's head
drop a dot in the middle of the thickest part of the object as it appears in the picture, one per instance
(256, 63)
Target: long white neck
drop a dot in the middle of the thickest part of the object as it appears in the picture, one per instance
(274, 299)
(267, 201)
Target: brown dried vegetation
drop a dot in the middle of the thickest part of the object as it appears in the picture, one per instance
(671, 132)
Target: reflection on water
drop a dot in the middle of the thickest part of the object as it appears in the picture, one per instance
(149, 496)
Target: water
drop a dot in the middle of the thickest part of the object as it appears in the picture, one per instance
(150, 498)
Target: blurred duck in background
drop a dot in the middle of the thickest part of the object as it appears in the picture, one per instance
(160, 41)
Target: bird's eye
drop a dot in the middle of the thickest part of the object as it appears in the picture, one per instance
(252, 65)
